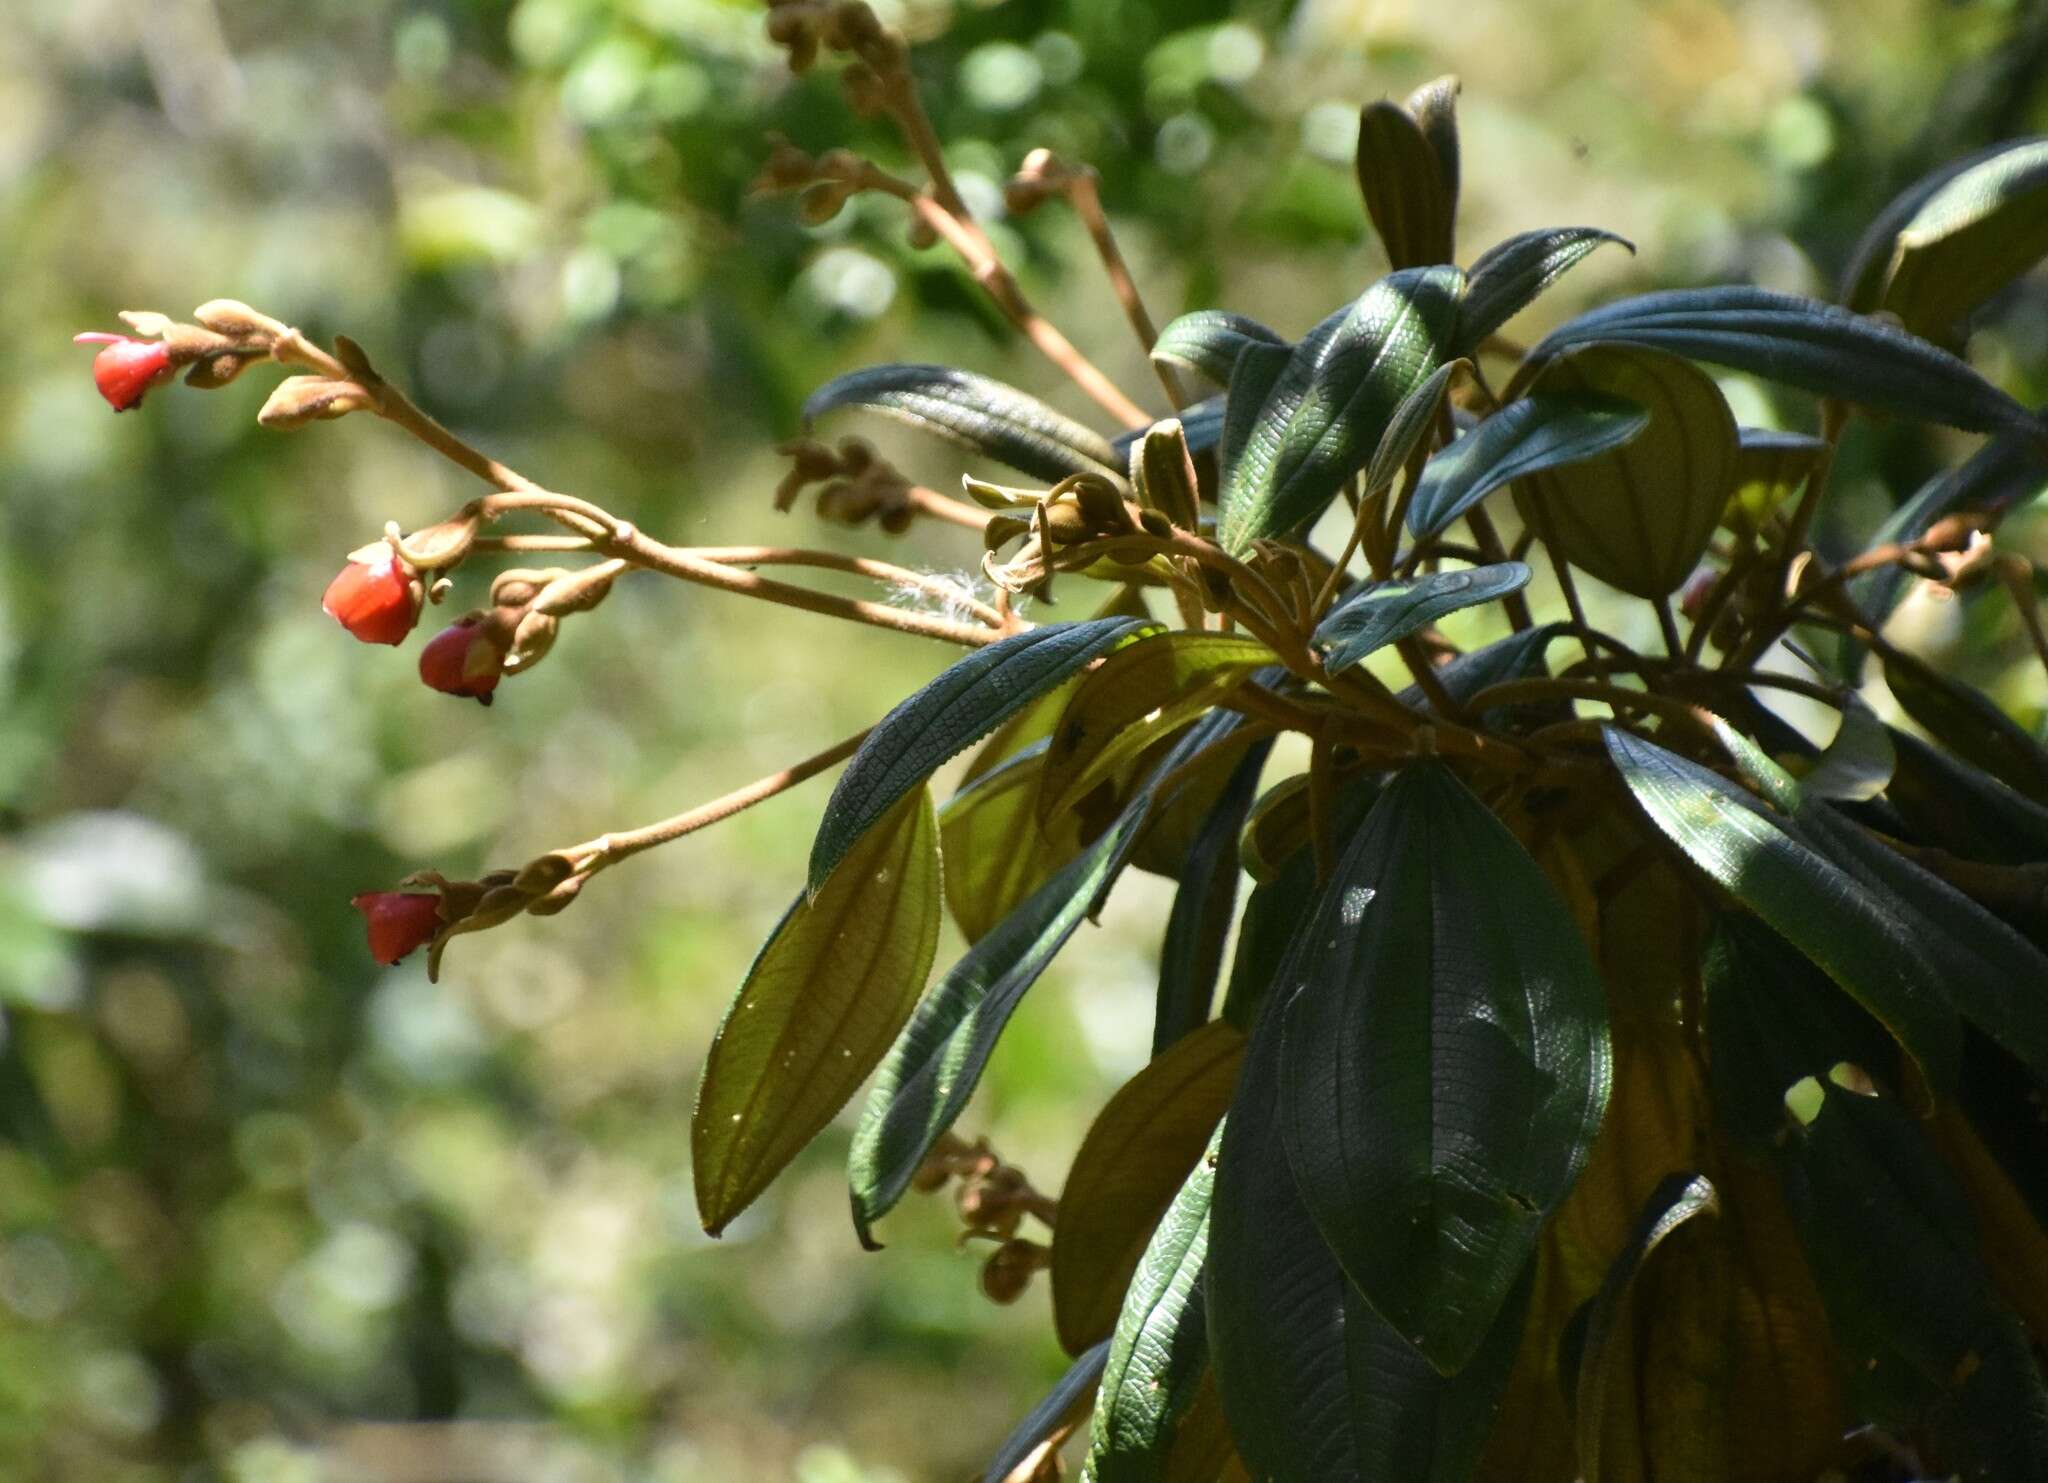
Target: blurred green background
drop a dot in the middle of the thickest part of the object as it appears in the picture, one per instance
(270, 1213)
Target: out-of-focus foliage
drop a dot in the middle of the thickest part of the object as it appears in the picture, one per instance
(269, 1211)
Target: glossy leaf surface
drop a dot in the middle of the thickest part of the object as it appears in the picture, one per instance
(976, 412)
(1381, 613)
(1537, 432)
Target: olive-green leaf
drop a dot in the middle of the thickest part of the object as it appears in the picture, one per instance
(1809, 899)
(1770, 467)
(1051, 1418)
(1972, 235)
(964, 704)
(818, 1009)
(976, 412)
(1401, 177)
(1800, 342)
(1927, 1341)
(1136, 1155)
(1639, 515)
(1323, 414)
(996, 851)
(1208, 340)
(1525, 437)
(1381, 613)
(1508, 277)
(1160, 1349)
(1137, 696)
(1863, 275)
(1611, 1428)
(1414, 416)
(1164, 476)
(937, 1061)
(1968, 723)
(1446, 1065)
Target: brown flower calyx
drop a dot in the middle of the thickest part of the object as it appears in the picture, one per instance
(299, 400)
(229, 338)
(858, 485)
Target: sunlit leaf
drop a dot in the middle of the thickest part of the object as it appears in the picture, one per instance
(1857, 762)
(818, 1009)
(1208, 340)
(1138, 1151)
(1381, 613)
(1534, 433)
(949, 715)
(1508, 277)
(976, 412)
(1639, 515)
(1401, 177)
(996, 851)
(1447, 1062)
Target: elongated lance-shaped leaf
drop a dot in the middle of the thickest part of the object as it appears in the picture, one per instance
(1545, 431)
(1380, 613)
(937, 1061)
(1964, 809)
(1316, 1386)
(976, 412)
(1402, 179)
(1613, 1430)
(1325, 411)
(1969, 723)
(1924, 1335)
(1201, 424)
(1856, 765)
(1447, 1062)
(1052, 1418)
(1191, 955)
(1161, 1345)
(1801, 342)
(1413, 417)
(1970, 236)
(1208, 340)
(1509, 275)
(819, 1007)
(964, 704)
(1809, 899)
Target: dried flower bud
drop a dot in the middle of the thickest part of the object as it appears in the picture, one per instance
(1007, 1272)
(299, 400)
(126, 369)
(531, 641)
(1692, 598)
(378, 599)
(468, 657)
(819, 203)
(398, 922)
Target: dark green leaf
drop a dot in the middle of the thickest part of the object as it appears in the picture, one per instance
(1051, 1418)
(1805, 343)
(1323, 414)
(1380, 613)
(1415, 415)
(1812, 901)
(975, 412)
(1161, 1347)
(1857, 764)
(948, 716)
(1963, 809)
(1508, 277)
(1191, 957)
(1208, 340)
(820, 1005)
(1639, 515)
(1446, 1065)
(1401, 177)
(937, 1061)
(1968, 723)
(1519, 656)
(1524, 437)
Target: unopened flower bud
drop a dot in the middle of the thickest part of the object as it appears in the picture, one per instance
(239, 323)
(531, 641)
(299, 400)
(378, 599)
(126, 369)
(398, 922)
(821, 202)
(1007, 1272)
(467, 658)
(1692, 598)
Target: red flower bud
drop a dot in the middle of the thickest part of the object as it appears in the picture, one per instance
(467, 658)
(377, 600)
(127, 368)
(399, 921)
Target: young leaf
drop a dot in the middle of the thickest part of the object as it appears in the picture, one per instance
(1163, 474)
(1135, 1156)
(1446, 1063)
(1208, 340)
(975, 412)
(1324, 413)
(1434, 106)
(1805, 343)
(1973, 234)
(1525, 437)
(1639, 515)
(1380, 613)
(1139, 695)
(819, 1007)
(1641, 1407)
(1160, 1350)
(1050, 1421)
(1818, 906)
(948, 716)
(1508, 276)
(1401, 177)
(1870, 259)
(1413, 417)
(936, 1062)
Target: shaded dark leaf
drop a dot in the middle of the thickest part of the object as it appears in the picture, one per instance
(1381, 613)
(1537, 432)
(975, 412)
(1509, 275)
